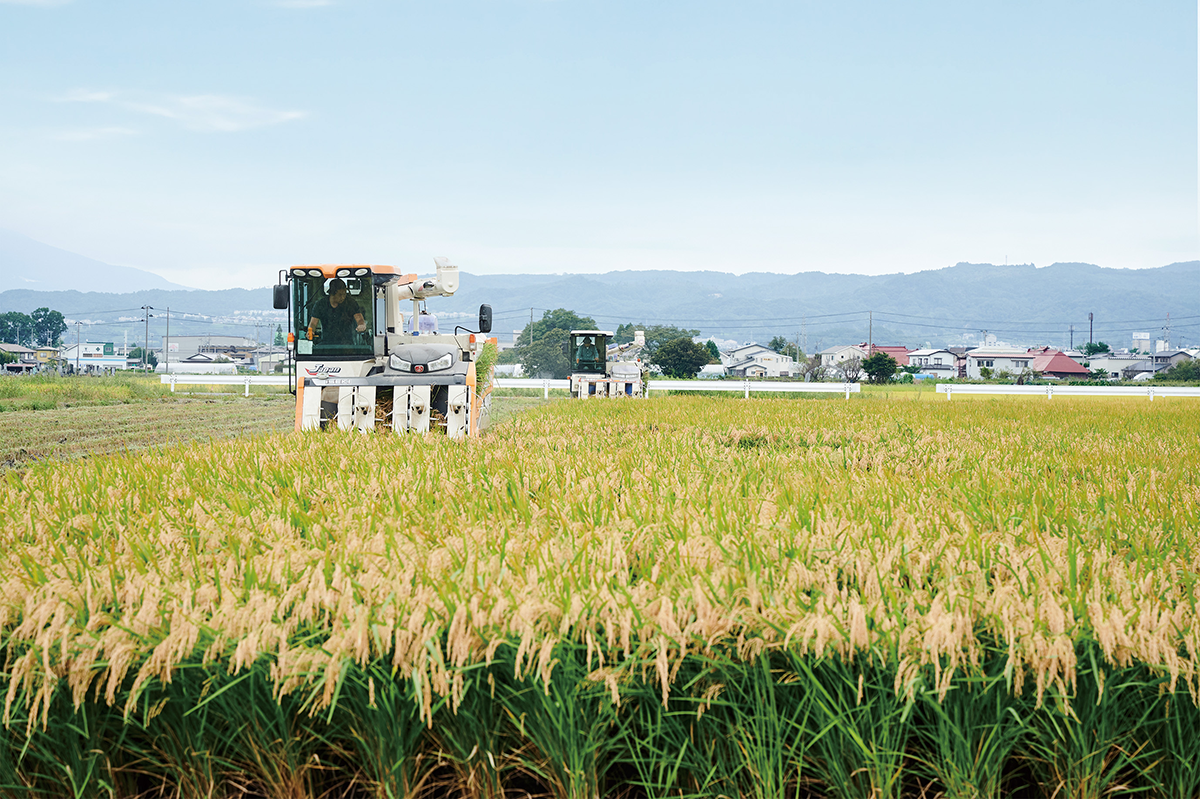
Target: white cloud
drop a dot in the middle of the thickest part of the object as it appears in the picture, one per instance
(210, 113)
(89, 134)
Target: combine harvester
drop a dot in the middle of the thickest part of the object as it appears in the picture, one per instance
(360, 364)
(597, 371)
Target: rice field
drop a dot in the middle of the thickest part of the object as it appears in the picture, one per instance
(673, 597)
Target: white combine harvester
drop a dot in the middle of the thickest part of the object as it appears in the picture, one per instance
(596, 368)
(361, 364)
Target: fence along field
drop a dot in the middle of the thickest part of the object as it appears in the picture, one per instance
(672, 597)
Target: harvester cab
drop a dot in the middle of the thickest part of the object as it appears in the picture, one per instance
(359, 365)
(595, 370)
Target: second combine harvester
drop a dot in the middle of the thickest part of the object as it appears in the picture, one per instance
(360, 363)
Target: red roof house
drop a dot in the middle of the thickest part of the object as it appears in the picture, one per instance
(899, 353)
(1054, 363)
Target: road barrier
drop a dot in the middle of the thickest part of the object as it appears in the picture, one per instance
(225, 380)
(1051, 391)
(744, 386)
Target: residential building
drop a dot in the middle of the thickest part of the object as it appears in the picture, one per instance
(939, 363)
(1168, 358)
(1049, 362)
(997, 359)
(899, 354)
(755, 360)
(833, 357)
(26, 359)
(1113, 362)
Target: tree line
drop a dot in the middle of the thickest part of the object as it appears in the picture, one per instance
(42, 328)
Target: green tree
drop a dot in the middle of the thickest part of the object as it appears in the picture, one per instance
(16, 328)
(559, 319)
(681, 357)
(135, 354)
(880, 367)
(784, 347)
(714, 354)
(279, 339)
(1094, 348)
(48, 327)
(545, 356)
(1183, 372)
(657, 335)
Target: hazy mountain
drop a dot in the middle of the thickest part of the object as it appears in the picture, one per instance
(1020, 304)
(29, 264)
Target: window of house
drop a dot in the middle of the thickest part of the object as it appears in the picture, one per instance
(936, 361)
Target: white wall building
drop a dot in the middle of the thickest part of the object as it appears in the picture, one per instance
(833, 357)
(1007, 359)
(755, 360)
(940, 363)
(93, 357)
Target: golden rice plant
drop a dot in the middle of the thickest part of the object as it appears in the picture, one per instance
(918, 566)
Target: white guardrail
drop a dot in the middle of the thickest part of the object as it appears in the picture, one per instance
(224, 380)
(745, 386)
(1052, 391)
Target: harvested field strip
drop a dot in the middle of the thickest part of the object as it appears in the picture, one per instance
(29, 436)
(750, 598)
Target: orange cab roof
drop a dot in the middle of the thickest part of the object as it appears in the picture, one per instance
(348, 270)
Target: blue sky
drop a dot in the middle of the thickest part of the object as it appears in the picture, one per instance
(216, 142)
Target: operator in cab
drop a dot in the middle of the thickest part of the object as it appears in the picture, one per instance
(338, 314)
(587, 351)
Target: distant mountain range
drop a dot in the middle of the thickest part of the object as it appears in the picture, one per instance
(1019, 304)
(29, 264)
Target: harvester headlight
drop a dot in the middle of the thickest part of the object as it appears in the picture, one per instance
(400, 365)
(343, 273)
(360, 272)
(441, 363)
(314, 272)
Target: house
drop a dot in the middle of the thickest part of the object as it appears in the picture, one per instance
(93, 357)
(1168, 358)
(1049, 362)
(755, 360)
(938, 363)
(26, 359)
(997, 359)
(833, 357)
(711, 371)
(899, 354)
(1113, 362)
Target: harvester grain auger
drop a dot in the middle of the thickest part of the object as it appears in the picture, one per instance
(360, 363)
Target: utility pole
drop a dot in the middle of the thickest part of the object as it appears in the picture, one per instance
(1167, 331)
(870, 333)
(1091, 329)
(1072, 336)
(804, 333)
(78, 346)
(167, 345)
(146, 309)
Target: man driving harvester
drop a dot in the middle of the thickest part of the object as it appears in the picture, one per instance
(338, 314)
